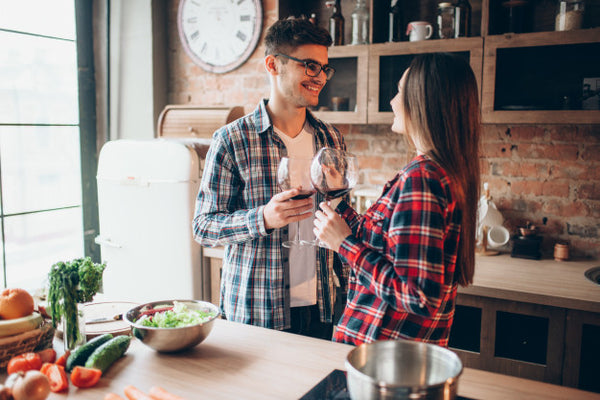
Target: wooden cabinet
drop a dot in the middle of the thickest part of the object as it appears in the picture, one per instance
(582, 352)
(350, 82)
(545, 343)
(539, 77)
(388, 61)
(535, 76)
(515, 338)
(536, 319)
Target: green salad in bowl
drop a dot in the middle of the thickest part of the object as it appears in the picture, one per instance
(176, 316)
(172, 325)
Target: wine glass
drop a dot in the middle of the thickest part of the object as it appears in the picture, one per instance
(333, 173)
(295, 172)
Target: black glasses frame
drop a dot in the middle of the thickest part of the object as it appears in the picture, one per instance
(312, 66)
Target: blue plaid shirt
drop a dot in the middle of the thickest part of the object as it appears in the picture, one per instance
(239, 179)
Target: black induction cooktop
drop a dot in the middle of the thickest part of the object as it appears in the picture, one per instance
(333, 387)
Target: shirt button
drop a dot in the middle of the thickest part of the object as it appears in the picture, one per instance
(285, 259)
(421, 305)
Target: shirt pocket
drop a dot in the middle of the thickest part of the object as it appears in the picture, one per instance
(374, 227)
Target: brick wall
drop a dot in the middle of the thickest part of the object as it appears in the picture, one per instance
(548, 175)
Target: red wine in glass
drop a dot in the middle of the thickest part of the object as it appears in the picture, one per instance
(333, 173)
(304, 194)
(294, 172)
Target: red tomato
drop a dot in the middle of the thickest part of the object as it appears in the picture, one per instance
(57, 376)
(45, 367)
(47, 355)
(83, 377)
(24, 362)
(62, 360)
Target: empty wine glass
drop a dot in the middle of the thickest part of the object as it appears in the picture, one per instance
(333, 173)
(295, 172)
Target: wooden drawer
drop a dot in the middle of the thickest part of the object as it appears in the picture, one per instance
(186, 121)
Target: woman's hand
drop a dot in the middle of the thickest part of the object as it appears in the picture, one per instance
(330, 228)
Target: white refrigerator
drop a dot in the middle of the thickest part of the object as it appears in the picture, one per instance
(146, 196)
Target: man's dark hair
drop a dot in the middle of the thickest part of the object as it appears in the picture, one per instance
(287, 34)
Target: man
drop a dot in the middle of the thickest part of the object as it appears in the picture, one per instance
(239, 207)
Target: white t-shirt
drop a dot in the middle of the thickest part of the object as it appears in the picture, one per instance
(303, 273)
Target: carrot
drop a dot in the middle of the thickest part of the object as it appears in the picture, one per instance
(113, 396)
(158, 393)
(134, 393)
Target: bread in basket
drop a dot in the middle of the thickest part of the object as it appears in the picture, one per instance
(36, 339)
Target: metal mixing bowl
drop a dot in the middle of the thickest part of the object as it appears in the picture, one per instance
(172, 339)
(402, 369)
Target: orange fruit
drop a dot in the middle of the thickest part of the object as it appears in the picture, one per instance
(15, 303)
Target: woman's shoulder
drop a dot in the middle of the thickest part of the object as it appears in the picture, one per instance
(425, 167)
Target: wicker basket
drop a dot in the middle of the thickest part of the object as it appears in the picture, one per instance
(33, 340)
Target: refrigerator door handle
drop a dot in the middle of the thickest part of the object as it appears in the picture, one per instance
(106, 242)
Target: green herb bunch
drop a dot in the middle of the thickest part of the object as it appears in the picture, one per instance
(70, 283)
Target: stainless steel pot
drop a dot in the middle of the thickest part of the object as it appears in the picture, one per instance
(402, 369)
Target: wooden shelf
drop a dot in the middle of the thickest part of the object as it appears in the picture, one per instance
(351, 64)
(473, 46)
(532, 43)
(485, 52)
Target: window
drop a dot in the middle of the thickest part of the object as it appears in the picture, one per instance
(41, 215)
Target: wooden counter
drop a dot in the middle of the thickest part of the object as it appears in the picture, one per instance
(545, 282)
(245, 362)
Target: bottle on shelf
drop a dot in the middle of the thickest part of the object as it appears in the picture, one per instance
(462, 18)
(336, 23)
(516, 14)
(569, 15)
(360, 23)
(445, 21)
(396, 22)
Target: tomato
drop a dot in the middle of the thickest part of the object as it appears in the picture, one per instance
(45, 367)
(62, 360)
(47, 355)
(83, 377)
(24, 362)
(57, 376)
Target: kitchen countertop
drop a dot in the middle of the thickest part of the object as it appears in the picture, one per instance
(240, 361)
(547, 282)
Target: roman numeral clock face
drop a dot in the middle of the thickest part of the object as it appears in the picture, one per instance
(219, 35)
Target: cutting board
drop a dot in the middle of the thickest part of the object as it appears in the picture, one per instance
(106, 309)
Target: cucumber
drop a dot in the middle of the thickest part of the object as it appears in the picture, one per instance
(105, 355)
(80, 355)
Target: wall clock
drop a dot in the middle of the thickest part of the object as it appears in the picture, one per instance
(219, 35)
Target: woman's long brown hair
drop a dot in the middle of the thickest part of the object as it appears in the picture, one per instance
(441, 105)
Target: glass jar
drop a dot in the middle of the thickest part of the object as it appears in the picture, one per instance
(360, 23)
(445, 20)
(74, 329)
(569, 15)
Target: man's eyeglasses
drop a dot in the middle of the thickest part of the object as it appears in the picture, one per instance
(311, 68)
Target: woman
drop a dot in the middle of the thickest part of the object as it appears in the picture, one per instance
(416, 244)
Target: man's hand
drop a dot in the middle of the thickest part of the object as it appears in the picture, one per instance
(281, 210)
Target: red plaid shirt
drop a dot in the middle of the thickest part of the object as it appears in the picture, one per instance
(402, 255)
